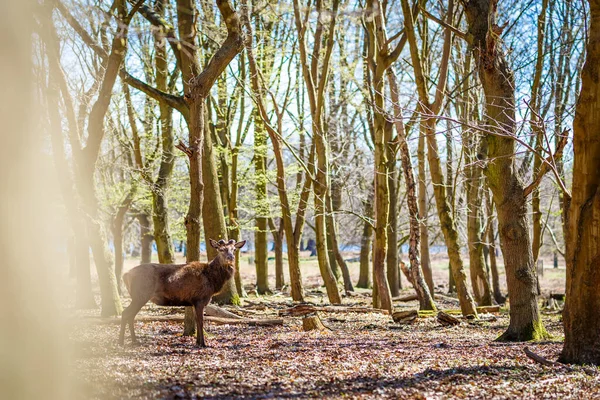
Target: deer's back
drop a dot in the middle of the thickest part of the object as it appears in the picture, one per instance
(168, 284)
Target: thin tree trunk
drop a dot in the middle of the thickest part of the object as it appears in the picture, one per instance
(117, 231)
(338, 258)
(364, 277)
(498, 296)
(424, 295)
(479, 276)
(392, 254)
(278, 249)
(160, 189)
(197, 85)
(423, 211)
(145, 238)
(293, 232)
(262, 206)
(213, 216)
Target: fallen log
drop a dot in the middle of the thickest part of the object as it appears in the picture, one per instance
(539, 359)
(305, 309)
(446, 298)
(179, 318)
(447, 319)
(405, 317)
(408, 297)
(411, 297)
(488, 309)
(215, 311)
(245, 321)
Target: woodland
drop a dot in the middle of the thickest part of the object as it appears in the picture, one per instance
(413, 187)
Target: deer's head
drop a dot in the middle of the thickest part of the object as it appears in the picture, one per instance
(226, 250)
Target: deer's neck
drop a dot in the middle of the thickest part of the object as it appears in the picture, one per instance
(218, 273)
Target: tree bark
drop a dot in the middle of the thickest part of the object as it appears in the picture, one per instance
(392, 254)
(502, 174)
(145, 238)
(424, 295)
(338, 258)
(423, 211)
(364, 277)
(582, 306)
(498, 296)
(278, 249)
(261, 254)
(213, 216)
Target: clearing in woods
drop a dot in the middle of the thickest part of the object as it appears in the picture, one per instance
(360, 355)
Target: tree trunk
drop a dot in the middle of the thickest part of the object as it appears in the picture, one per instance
(392, 254)
(479, 276)
(335, 268)
(213, 217)
(261, 254)
(498, 296)
(502, 174)
(278, 249)
(293, 232)
(160, 219)
(423, 211)
(447, 223)
(117, 231)
(424, 295)
(582, 306)
(80, 251)
(160, 188)
(320, 236)
(338, 258)
(364, 277)
(145, 239)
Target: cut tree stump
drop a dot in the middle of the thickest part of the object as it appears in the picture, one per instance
(405, 317)
(313, 323)
(447, 319)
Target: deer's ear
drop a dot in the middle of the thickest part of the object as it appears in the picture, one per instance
(214, 243)
(241, 244)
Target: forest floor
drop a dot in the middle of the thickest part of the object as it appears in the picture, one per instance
(361, 355)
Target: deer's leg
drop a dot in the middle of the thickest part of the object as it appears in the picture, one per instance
(128, 316)
(200, 324)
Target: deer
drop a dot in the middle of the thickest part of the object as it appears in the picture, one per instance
(190, 284)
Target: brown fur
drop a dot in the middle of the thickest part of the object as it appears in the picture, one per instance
(191, 284)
